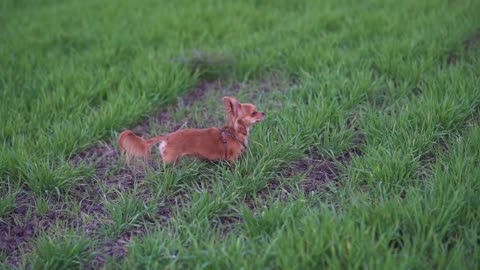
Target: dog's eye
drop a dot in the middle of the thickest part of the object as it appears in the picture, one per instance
(254, 113)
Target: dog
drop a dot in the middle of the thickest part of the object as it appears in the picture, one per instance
(213, 144)
(133, 146)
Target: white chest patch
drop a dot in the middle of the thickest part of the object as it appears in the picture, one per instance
(162, 147)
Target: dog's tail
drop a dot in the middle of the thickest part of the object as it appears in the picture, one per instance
(155, 140)
(122, 136)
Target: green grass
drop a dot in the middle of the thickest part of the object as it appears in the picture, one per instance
(7, 202)
(65, 252)
(76, 73)
(125, 212)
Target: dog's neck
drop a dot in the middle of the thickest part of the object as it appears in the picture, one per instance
(241, 128)
(240, 131)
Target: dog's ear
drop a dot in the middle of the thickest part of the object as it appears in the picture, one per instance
(232, 107)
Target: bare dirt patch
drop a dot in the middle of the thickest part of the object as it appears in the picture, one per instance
(320, 171)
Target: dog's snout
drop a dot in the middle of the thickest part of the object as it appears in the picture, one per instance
(264, 113)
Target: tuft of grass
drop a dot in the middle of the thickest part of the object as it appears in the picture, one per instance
(69, 251)
(8, 196)
(42, 206)
(7, 204)
(126, 212)
(268, 221)
(45, 178)
(153, 253)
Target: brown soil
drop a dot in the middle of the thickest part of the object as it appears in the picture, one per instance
(320, 171)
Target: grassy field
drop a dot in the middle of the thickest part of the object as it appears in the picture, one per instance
(369, 156)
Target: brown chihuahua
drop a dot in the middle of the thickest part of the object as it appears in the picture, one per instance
(225, 143)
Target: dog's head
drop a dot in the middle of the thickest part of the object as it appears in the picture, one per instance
(239, 114)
